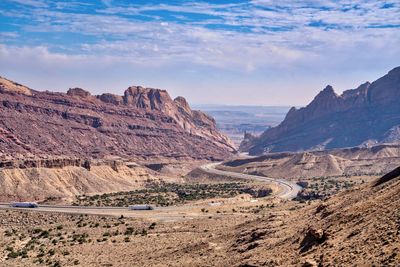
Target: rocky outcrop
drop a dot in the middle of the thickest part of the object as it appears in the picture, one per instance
(366, 115)
(144, 123)
(312, 237)
(111, 98)
(45, 163)
(78, 92)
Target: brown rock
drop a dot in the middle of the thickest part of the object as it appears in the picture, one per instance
(312, 237)
(111, 98)
(78, 92)
(310, 263)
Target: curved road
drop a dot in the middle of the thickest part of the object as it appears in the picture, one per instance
(288, 190)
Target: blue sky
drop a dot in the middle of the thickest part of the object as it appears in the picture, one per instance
(259, 52)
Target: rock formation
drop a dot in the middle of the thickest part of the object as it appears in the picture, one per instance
(142, 124)
(367, 115)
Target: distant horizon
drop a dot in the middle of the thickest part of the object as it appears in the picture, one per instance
(95, 92)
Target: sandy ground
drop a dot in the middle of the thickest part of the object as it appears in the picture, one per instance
(359, 227)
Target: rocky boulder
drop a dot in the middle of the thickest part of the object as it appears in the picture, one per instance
(111, 98)
(78, 92)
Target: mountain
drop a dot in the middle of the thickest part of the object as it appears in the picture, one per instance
(367, 115)
(142, 124)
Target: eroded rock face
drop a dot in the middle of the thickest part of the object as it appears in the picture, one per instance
(147, 98)
(369, 114)
(144, 123)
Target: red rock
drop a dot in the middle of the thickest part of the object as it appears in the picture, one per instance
(143, 124)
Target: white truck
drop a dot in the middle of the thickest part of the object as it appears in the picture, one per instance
(141, 207)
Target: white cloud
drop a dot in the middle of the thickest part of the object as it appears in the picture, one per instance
(33, 3)
(277, 37)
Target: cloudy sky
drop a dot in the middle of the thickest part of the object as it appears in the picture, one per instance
(259, 52)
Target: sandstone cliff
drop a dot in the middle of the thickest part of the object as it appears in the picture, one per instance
(366, 115)
(143, 123)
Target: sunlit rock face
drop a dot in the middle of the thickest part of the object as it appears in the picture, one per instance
(144, 123)
(365, 116)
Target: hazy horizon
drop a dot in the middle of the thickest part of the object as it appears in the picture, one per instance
(236, 52)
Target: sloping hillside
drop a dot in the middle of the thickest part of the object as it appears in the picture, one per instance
(338, 162)
(366, 115)
(360, 227)
(63, 183)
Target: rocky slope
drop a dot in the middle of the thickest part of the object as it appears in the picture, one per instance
(359, 227)
(144, 123)
(329, 163)
(366, 115)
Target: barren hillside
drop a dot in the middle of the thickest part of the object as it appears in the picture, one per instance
(63, 183)
(376, 160)
(360, 227)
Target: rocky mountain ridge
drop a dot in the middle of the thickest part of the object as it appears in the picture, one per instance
(144, 123)
(366, 115)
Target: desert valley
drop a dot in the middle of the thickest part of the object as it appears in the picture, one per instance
(84, 159)
(197, 133)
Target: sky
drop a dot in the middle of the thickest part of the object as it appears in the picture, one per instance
(235, 52)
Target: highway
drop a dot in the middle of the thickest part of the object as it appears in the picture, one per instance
(289, 190)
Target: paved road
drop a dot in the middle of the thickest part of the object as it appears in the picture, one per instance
(171, 213)
(288, 190)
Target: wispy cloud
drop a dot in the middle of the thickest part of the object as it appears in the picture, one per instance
(238, 36)
(32, 3)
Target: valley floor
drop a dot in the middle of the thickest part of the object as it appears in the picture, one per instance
(359, 227)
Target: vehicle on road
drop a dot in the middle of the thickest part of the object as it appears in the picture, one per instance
(24, 205)
(141, 207)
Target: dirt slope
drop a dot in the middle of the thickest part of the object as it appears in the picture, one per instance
(360, 227)
(66, 182)
(376, 160)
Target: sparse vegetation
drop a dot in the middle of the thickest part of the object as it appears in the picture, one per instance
(52, 243)
(323, 187)
(166, 194)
